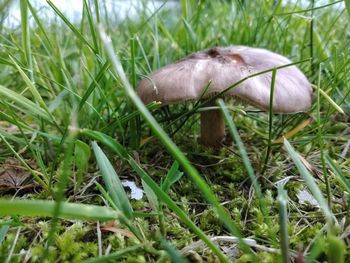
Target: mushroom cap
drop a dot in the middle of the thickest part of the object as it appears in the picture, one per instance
(186, 79)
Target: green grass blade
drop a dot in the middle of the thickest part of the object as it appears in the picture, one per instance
(272, 91)
(102, 72)
(26, 37)
(106, 140)
(310, 182)
(32, 172)
(82, 155)
(347, 6)
(3, 231)
(321, 140)
(151, 106)
(151, 196)
(338, 172)
(336, 250)
(234, 132)
(191, 33)
(317, 248)
(45, 208)
(71, 26)
(112, 257)
(91, 26)
(32, 88)
(173, 253)
(12, 137)
(97, 11)
(64, 174)
(331, 101)
(144, 56)
(172, 177)
(106, 196)
(41, 26)
(25, 104)
(134, 124)
(133, 63)
(113, 183)
(5, 62)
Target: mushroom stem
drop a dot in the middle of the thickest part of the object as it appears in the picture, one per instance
(212, 127)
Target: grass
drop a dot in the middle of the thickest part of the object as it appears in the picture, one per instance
(72, 129)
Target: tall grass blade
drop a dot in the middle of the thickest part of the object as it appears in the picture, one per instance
(41, 26)
(316, 250)
(310, 182)
(82, 155)
(144, 56)
(100, 75)
(134, 123)
(106, 140)
(71, 26)
(113, 183)
(32, 88)
(3, 231)
(173, 253)
(26, 37)
(25, 104)
(338, 172)
(45, 208)
(336, 250)
(272, 91)
(62, 184)
(347, 6)
(91, 26)
(151, 196)
(191, 33)
(172, 177)
(331, 101)
(23, 162)
(112, 257)
(234, 132)
(320, 139)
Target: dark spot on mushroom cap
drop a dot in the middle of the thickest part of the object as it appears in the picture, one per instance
(213, 53)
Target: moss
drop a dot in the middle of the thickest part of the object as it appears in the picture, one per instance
(38, 251)
(210, 223)
(301, 235)
(118, 242)
(70, 246)
(7, 244)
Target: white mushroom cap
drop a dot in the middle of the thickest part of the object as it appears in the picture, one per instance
(224, 66)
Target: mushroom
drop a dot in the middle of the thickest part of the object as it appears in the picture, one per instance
(221, 67)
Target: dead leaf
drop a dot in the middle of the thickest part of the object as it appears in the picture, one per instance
(8, 127)
(305, 198)
(14, 176)
(311, 168)
(114, 229)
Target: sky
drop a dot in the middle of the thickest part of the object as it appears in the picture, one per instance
(73, 9)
